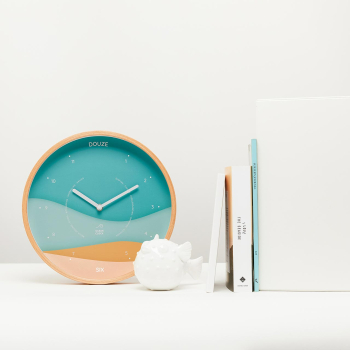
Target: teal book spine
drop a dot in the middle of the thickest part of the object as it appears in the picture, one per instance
(254, 160)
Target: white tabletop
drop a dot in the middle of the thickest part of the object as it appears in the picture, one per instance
(40, 309)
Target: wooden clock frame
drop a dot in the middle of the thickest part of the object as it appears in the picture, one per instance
(55, 148)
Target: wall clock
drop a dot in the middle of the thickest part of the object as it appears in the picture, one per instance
(92, 200)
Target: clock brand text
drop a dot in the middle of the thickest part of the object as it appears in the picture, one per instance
(98, 144)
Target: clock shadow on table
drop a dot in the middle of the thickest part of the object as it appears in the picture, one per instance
(53, 278)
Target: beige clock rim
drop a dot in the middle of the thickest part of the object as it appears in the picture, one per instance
(55, 148)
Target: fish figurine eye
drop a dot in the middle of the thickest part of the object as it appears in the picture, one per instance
(163, 249)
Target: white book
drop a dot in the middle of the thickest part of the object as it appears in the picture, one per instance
(215, 232)
(304, 205)
(239, 212)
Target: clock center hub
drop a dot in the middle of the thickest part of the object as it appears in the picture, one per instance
(99, 207)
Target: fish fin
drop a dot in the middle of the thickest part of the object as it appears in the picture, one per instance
(194, 267)
(156, 237)
(184, 251)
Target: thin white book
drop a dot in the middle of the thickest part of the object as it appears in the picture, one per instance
(215, 232)
(239, 212)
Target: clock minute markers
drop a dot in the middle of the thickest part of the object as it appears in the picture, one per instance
(120, 195)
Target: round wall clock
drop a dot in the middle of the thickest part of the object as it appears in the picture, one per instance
(92, 200)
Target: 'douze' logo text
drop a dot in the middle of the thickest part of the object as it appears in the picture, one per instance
(98, 144)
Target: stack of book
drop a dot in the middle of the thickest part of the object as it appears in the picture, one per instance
(242, 236)
(303, 201)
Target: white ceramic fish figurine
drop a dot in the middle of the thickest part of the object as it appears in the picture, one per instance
(161, 264)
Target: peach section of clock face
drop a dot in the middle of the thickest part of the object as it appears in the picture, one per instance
(112, 252)
(90, 269)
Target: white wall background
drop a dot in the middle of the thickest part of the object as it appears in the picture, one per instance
(180, 76)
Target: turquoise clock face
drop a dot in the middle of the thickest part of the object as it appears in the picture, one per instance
(93, 202)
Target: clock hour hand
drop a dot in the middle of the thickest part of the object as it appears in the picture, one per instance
(120, 195)
(97, 206)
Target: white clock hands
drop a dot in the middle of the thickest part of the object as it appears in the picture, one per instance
(87, 199)
(120, 195)
(99, 207)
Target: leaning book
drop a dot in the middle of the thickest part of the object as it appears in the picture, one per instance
(253, 159)
(238, 184)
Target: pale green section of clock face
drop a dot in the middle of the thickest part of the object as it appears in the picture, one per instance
(100, 173)
(50, 217)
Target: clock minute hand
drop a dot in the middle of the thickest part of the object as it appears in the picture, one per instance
(86, 198)
(120, 195)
